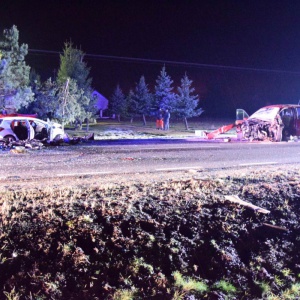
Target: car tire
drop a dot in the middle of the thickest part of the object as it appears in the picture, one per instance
(9, 138)
(58, 137)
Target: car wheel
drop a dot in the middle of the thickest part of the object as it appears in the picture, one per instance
(58, 137)
(9, 138)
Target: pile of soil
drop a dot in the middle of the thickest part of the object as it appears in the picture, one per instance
(168, 239)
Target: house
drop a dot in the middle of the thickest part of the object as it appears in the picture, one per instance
(101, 102)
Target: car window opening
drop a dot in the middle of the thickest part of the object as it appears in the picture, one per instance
(40, 131)
(20, 130)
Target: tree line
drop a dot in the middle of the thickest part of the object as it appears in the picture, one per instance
(68, 97)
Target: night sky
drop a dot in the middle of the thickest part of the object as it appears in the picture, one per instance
(256, 36)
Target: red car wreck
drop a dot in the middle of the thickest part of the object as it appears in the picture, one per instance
(275, 123)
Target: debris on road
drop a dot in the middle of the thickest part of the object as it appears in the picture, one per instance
(39, 144)
(221, 130)
(18, 149)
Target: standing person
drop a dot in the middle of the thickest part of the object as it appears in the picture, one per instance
(167, 120)
(159, 120)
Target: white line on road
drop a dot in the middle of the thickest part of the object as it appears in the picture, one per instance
(79, 174)
(180, 168)
(181, 148)
(262, 163)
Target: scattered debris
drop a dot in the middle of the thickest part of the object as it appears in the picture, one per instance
(18, 149)
(221, 130)
(33, 144)
(236, 199)
(275, 227)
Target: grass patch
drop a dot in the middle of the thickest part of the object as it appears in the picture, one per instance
(188, 284)
(123, 295)
(177, 127)
(226, 287)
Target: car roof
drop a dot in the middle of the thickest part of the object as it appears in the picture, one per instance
(283, 106)
(21, 118)
(18, 115)
(8, 119)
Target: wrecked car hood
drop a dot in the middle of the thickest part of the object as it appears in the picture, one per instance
(265, 114)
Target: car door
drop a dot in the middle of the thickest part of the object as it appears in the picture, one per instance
(288, 117)
(297, 125)
(41, 129)
(30, 130)
(241, 116)
(55, 131)
(20, 129)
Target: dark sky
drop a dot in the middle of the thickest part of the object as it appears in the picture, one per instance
(247, 34)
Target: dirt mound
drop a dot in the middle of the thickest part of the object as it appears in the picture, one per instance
(161, 240)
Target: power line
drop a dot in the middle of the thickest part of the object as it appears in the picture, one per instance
(168, 62)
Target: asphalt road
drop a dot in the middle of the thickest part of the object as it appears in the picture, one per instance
(144, 156)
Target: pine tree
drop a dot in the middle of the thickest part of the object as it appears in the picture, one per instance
(58, 100)
(164, 97)
(68, 97)
(3, 66)
(46, 95)
(143, 98)
(186, 104)
(132, 105)
(72, 66)
(35, 80)
(118, 103)
(14, 73)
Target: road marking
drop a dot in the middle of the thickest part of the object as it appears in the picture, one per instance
(180, 168)
(136, 147)
(257, 163)
(79, 174)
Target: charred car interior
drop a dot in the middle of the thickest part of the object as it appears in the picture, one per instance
(29, 130)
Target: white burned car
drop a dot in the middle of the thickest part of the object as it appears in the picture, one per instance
(17, 128)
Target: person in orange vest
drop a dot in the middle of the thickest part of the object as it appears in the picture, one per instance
(159, 120)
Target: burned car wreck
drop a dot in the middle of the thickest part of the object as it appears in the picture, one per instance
(17, 128)
(19, 131)
(274, 123)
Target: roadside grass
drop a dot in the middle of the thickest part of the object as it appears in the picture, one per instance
(177, 127)
(122, 241)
